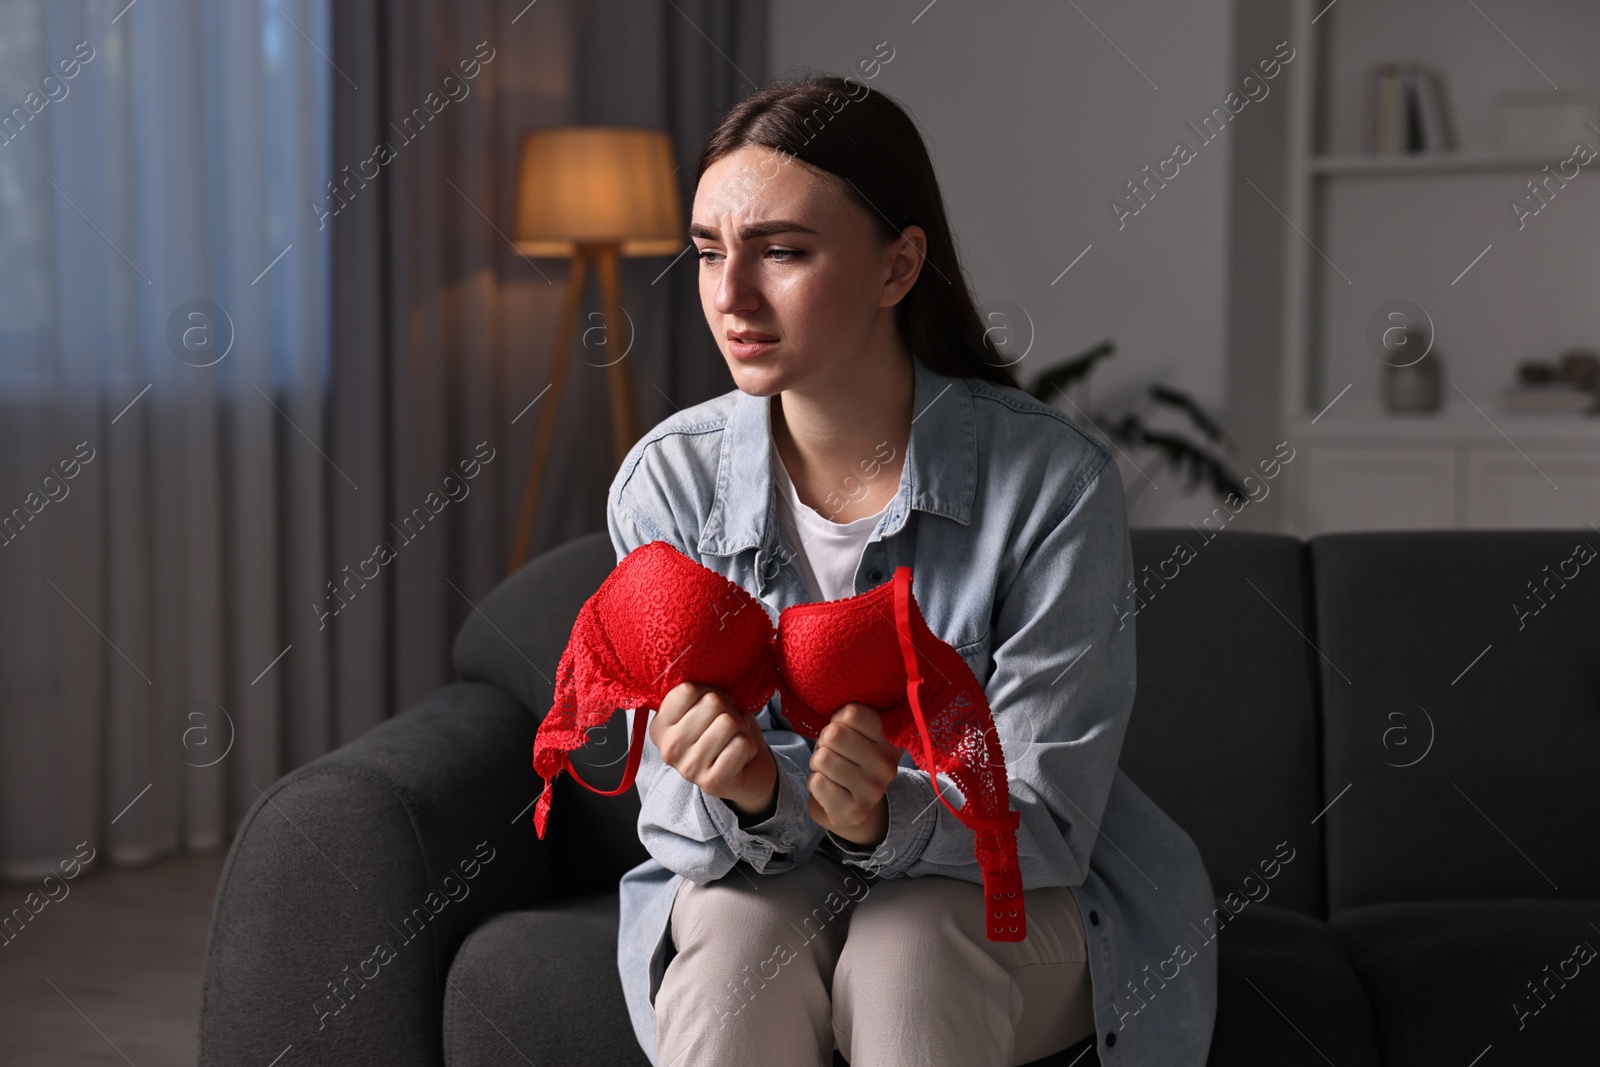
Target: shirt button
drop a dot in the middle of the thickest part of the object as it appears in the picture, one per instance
(1111, 1039)
(875, 574)
(1094, 917)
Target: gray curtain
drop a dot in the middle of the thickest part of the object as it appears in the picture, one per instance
(163, 355)
(443, 332)
(203, 605)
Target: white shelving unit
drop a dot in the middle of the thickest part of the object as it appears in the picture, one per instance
(1365, 229)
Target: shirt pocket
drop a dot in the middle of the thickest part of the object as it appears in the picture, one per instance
(976, 656)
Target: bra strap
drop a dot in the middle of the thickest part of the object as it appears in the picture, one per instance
(1002, 889)
(903, 625)
(635, 750)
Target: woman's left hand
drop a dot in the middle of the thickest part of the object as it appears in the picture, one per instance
(851, 768)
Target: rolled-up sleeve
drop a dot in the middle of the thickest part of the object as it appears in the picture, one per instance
(1061, 689)
(684, 829)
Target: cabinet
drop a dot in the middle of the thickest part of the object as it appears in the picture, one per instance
(1508, 490)
(1437, 231)
(1406, 474)
(1360, 487)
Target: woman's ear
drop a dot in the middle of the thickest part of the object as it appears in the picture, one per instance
(907, 254)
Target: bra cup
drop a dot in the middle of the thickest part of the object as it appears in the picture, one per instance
(657, 620)
(674, 620)
(841, 652)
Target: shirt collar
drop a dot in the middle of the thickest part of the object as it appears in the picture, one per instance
(940, 474)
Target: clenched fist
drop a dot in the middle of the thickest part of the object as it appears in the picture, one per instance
(707, 740)
(851, 768)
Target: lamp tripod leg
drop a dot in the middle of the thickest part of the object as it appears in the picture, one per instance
(624, 412)
(560, 357)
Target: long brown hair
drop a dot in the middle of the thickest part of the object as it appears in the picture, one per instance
(873, 150)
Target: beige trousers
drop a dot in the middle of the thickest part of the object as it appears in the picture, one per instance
(779, 970)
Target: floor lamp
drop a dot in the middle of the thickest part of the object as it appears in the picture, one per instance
(592, 194)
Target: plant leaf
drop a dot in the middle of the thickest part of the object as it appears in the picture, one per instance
(1175, 398)
(1079, 366)
(1198, 465)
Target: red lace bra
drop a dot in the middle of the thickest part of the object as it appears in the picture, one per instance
(660, 619)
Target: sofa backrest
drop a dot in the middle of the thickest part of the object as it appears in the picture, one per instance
(1461, 697)
(514, 640)
(1224, 730)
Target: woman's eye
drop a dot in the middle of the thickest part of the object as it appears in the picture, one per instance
(786, 255)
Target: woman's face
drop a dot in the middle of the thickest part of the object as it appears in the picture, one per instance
(787, 259)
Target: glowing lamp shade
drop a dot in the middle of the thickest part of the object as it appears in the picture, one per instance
(597, 185)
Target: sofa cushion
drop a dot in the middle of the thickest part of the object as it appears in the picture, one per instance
(1223, 734)
(1450, 979)
(1464, 724)
(1287, 994)
(541, 987)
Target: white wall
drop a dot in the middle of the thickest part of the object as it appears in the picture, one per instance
(1034, 121)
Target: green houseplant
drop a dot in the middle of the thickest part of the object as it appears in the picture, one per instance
(1197, 458)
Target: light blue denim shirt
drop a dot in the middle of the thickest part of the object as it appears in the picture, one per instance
(1013, 524)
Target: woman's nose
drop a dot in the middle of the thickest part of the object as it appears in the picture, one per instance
(736, 288)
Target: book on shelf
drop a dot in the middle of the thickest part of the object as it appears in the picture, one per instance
(1554, 398)
(1405, 111)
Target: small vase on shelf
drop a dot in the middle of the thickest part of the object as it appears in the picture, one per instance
(1415, 387)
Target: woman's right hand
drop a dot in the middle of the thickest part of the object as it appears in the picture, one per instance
(708, 741)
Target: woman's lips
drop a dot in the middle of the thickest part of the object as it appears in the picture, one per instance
(743, 350)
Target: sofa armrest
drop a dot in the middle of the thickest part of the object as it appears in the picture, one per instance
(353, 880)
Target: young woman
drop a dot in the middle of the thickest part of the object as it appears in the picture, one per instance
(804, 896)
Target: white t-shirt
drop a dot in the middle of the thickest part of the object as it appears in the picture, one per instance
(826, 552)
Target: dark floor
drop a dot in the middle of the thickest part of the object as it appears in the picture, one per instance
(110, 973)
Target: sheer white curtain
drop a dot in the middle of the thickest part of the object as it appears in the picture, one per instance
(164, 351)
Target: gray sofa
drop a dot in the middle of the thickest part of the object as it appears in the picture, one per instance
(1388, 707)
